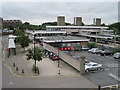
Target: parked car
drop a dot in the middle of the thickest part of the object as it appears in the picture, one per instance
(84, 48)
(97, 51)
(92, 66)
(53, 56)
(90, 50)
(116, 55)
(104, 53)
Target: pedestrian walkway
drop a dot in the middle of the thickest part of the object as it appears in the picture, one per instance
(20, 66)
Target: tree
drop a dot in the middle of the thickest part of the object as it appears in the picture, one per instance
(92, 45)
(24, 41)
(35, 54)
(22, 38)
(115, 27)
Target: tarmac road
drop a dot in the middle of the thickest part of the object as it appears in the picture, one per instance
(109, 74)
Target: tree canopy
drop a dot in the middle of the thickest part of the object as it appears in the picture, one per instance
(115, 27)
(22, 38)
(35, 54)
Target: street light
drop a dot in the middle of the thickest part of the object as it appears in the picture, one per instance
(34, 49)
(59, 53)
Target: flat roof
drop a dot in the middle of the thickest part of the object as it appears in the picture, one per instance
(12, 36)
(11, 43)
(83, 27)
(64, 39)
(45, 32)
(98, 36)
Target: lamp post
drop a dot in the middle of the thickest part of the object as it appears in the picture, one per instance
(34, 49)
(114, 38)
(58, 59)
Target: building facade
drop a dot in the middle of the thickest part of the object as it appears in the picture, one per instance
(7, 23)
(61, 20)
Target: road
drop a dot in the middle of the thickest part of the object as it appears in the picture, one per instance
(105, 77)
(11, 81)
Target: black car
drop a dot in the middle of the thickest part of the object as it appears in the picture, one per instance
(105, 53)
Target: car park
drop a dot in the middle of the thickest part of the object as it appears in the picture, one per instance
(92, 66)
(105, 53)
(116, 55)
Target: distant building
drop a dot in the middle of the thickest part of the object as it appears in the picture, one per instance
(61, 20)
(1, 22)
(77, 21)
(11, 22)
(97, 21)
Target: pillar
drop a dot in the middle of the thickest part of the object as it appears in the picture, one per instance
(82, 65)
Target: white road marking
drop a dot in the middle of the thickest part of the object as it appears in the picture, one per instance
(11, 84)
(114, 76)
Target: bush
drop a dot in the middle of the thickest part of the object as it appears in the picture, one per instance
(92, 45)
(116, 49)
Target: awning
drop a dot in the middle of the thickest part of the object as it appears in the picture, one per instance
(11, 43)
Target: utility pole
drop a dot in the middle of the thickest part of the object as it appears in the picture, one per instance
(114, 38)
(34, 49)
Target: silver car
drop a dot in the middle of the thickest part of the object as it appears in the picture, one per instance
(92, 66)
(116, 55)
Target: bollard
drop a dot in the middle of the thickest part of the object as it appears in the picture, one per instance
(14, 64)
(23, 71)
(99, 87)
(38, 72)
(59, 72)
(16, 68)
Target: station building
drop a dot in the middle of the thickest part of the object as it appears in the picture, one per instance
(59, 39)
(95, 32)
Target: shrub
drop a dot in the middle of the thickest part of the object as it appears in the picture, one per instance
(92, 45)
(116, 49)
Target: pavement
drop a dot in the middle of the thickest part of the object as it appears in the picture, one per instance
(48, 77)
(46, 66)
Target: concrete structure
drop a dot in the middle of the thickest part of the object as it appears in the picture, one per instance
(1, 22)
(61, 20)
(82, 66)
(59, 39)
(77, 21)
(93, 32)
(11, 22)
(97, 21)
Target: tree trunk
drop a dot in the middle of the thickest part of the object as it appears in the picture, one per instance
(35, 66)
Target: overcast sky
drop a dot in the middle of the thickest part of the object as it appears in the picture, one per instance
(40, 12)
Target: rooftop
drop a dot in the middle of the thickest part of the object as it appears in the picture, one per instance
(95, 27)
(44, 32)
(64, 39)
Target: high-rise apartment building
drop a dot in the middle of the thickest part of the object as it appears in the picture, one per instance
(61, 20)
(97, 21)
(77, 21)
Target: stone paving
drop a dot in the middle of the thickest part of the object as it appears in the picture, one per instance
(46, 66)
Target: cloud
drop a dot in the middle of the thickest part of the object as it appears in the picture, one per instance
(40, 12)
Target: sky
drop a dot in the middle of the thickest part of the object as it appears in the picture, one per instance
(40, 12)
